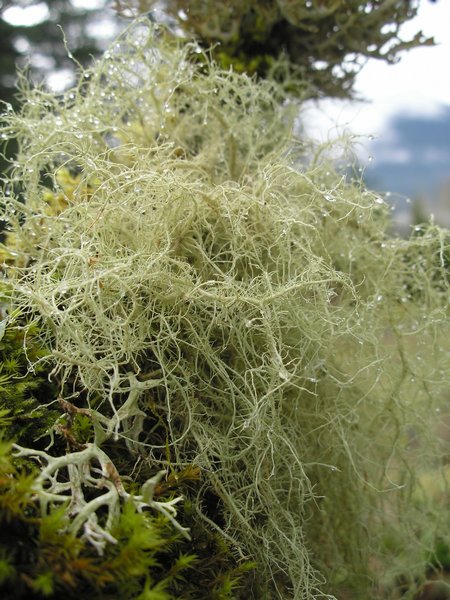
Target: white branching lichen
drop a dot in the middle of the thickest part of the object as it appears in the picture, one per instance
(65, 480)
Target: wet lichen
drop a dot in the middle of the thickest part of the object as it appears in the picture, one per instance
(214, 305)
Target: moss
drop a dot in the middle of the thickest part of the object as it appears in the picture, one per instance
(26, 395)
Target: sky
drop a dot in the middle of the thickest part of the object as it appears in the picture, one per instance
(419, 85)
(416, 91)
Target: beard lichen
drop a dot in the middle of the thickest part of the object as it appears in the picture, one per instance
(186, 270)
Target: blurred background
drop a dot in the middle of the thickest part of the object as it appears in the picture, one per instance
(401, 117)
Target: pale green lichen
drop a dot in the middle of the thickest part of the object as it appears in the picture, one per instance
(186, 269)
(70, 479)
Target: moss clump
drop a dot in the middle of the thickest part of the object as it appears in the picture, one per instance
(25, 392)
(211, 303)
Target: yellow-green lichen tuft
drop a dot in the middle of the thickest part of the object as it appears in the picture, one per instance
(213, 301)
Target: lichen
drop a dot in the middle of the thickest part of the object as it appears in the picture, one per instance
(41, 555)
(213, 300)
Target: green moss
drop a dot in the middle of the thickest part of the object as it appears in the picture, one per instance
(23, 386)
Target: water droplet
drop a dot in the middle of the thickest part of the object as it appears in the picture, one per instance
(379, 297)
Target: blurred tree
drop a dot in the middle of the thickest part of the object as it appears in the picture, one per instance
(30, 34)
(38, 35)
(323, 42)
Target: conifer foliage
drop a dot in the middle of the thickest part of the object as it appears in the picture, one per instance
(314, 47)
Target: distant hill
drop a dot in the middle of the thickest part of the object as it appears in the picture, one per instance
(413, 161)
